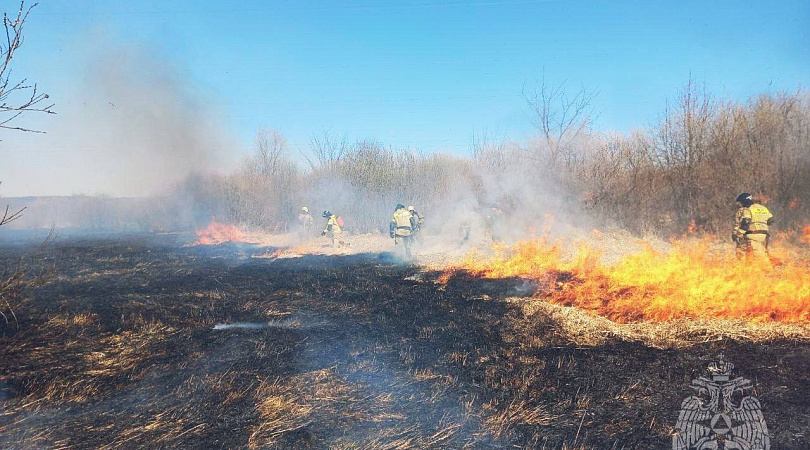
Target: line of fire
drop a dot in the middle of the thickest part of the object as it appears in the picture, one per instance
(283, 225)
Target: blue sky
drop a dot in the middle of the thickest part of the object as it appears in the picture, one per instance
(425, 74)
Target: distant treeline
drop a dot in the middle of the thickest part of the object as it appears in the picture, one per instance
(689, 168)
(683, 172)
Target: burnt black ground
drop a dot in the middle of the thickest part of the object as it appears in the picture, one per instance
(427, 364)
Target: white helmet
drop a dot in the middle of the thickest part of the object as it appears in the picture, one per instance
(304, 209)
(411, 208)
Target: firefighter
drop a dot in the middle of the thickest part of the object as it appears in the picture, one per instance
(751, 224)
(334, 229)
(418, 221)
(494, 223)
(464, 231)
(401, 228)
(304, 223)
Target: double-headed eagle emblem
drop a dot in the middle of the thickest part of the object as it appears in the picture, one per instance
(720, 415)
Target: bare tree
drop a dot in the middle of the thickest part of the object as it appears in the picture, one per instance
(560, 116)
(16, 98)
(271, 151)
(683, 146)
(327, 150)
(21, 96)
(263, 192)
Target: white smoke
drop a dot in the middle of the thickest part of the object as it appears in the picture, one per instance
(133, 125)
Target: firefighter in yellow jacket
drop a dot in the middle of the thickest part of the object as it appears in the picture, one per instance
(334, 229)
(751, 227)
(401, 228)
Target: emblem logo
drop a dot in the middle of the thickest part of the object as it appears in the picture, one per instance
(720, 415)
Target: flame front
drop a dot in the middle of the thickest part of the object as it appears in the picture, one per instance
(217, 233)
(691, 280)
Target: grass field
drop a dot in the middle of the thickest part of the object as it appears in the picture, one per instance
(121, 349)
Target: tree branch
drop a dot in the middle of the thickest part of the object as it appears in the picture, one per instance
(18, 97)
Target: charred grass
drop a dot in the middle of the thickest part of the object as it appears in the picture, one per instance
(118, 350)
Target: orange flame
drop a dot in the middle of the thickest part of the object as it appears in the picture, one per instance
(691, 280)
(217, 233)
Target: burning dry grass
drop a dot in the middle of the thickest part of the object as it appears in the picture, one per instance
(693, 280)
(218, 233)
(362, 353)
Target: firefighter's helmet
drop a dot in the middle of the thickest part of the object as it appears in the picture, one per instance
(411, 208)
(745, 199)
(327, 214)
(399, 206)
(304, 209)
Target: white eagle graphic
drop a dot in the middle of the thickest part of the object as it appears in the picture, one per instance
(716, 419)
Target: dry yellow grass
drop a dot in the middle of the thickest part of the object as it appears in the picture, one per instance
(287, 405)
(500, 419)
(578, 327)
(73, 320)
(364, 355)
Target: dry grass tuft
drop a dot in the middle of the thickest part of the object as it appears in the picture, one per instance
(578, 327)
(501, 419)
(81, 320)
(286, 406)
